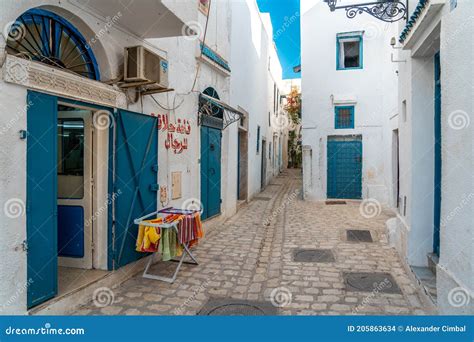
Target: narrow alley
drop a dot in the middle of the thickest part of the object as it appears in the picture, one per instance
(248, 263)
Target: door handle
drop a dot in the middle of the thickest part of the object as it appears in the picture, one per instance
(212, 171)
(212, 147)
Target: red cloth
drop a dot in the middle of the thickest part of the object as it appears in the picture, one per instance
(190, 228)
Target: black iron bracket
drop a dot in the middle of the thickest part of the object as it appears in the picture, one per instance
(389, 11)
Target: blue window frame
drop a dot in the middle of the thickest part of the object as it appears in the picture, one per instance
(344, 117)
(349, 51)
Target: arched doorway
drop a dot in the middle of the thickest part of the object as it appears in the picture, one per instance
(60, 157)
(211, 160)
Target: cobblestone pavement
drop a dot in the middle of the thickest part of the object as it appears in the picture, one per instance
(251, 257)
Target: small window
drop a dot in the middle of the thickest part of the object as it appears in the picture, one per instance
(349, 52)
(70, 158)
(344, 117)
(204, 6)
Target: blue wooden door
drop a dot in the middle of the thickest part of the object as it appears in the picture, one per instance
(344, 173)
(41, 197)
(135, 179)
(210, 171)
(437, 146)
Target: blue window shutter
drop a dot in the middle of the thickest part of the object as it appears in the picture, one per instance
(343, 117)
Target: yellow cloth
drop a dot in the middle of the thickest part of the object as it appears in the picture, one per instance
(148, 237)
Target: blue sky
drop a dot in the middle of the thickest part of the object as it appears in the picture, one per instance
(285, 16)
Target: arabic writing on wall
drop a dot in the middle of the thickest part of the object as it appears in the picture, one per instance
(176, 139)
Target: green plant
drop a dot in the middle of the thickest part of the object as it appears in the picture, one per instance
(293, 108)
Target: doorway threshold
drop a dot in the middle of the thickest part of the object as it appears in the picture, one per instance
(72, 279)
(81, 293)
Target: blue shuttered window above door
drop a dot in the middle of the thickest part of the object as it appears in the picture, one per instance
(344, 117)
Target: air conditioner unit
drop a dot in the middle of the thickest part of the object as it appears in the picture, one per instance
(144, 68)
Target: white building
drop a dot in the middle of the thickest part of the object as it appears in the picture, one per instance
(434, 228)
(122, 152)
(415, 129)
(263, 131)
(348, 95)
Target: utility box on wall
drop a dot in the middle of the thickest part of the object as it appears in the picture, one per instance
(176, 185)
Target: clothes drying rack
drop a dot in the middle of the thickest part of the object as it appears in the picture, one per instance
(171, 225)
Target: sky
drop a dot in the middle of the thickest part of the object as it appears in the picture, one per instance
(285, 16)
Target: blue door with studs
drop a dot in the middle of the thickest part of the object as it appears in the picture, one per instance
(210, 171)
(344, 172)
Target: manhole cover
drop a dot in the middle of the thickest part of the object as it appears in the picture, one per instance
(313, 255)
(371, 282)
(335, 202)
(359, 235)
(262, 198)
(235, 307)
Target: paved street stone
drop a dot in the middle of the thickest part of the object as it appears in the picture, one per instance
(250, 257)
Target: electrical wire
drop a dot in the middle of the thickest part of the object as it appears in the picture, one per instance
(165, 108)
(198, 69)
(202, 48)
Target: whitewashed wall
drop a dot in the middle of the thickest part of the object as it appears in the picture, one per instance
(182, 52)
(456, 265)
(455, 271)
(255, 61)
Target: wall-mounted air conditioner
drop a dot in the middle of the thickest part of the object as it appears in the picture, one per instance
(144, 68)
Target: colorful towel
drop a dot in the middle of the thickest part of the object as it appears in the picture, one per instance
(169, 246)
(167, 241)
(190, 229)
(148, 237)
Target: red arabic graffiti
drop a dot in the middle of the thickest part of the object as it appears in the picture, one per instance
(174, 139)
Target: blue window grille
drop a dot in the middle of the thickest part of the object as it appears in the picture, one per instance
(344, 117)
(216, 111)
(258, 139)
(45, 37)
(349, 51)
